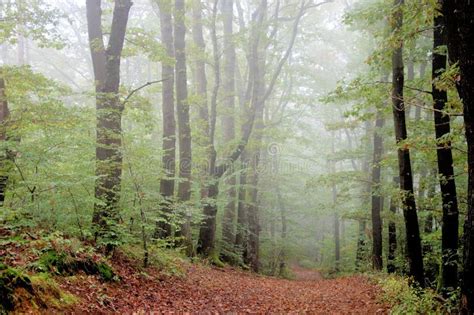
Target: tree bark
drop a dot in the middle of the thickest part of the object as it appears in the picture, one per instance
(242, 226)
(168, 159)
(414, 254)
(366, 192)
(253, 178)
(4, 115)
(207, 232)
(184, 128)
(337, 242)
(377, 262)
(392, 232)
(228, 123)
(460, 30)
(283, 214)
(450, 226)
(106, 66)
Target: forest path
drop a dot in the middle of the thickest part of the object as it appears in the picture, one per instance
(223, 290)
(304, 274)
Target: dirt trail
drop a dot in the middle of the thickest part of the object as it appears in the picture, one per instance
(303, 274)
(214, 290)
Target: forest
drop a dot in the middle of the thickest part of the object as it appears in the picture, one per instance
(237, 156)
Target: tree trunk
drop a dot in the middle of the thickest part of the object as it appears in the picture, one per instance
(392, 232)
(4, 115)
(377, 263)
(184, 128)
(106, 65)
(253, 178)
(460, 30)
(283, 213)
(168, 159)
(415, 259)
(242, 225)
(366, 192)
(449, 243)
(258, 90)
(228, 123)
(207, 232)
(337, 242)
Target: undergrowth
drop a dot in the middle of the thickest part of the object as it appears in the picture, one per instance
(406, 299)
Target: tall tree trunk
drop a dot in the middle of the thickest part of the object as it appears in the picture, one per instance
(228, 123)
(258, 89)
(208, 227)
(377, 263)
(184, 128)
(460, 30)
(337, 242)
(207, 232)
(106, 65)
(366, 192)
(284, 223)
(392, 232)
(4, 156)
(242, 226)
(450, 226)
(200, 75)
(253, 204)
(415, 259)
(163, 228)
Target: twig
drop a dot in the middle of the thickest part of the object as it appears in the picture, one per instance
(407, 87)
(139, 88)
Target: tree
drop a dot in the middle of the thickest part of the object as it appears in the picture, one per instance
(109, 109)
(415, 259)
(376, 194)
(163, 228)
(392, 231)
(184, 128)
(4, 115)
(337, 241)
(228, 123)
(449, 243)
(460, 30)
(207, 231)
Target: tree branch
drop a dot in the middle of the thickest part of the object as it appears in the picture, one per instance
(139, 88)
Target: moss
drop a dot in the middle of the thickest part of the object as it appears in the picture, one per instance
(49, 293)
(54, 262)
(215, 260)
(105, 272)
(10, 280)
(64, 264)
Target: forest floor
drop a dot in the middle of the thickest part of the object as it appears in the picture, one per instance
(194, 287)
(223, 290)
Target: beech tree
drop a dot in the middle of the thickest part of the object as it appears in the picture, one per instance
(449, 244)
(167, 182)
(460, 29)
(182, 110)
(4, 115)
(415, 258)
(376, 196)
(228, 121)
(106, 66)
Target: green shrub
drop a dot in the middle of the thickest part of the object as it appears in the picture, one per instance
(406, 299)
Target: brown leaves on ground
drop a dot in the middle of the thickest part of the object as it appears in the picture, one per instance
(213, 290)
(203, 289)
